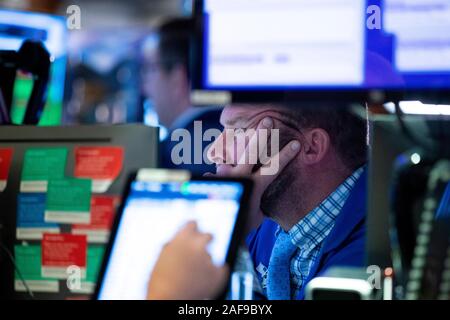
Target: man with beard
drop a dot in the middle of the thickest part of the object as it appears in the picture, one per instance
(312, 214)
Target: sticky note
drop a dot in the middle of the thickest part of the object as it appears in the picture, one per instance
(28, 261)
(94, 262)
(30, 217)
(101, 164)
(5, 165)
(61, 251)
(68, 201)
(41, 165)
(103, 209)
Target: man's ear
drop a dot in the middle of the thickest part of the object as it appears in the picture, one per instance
(316, 143)
(178, 77)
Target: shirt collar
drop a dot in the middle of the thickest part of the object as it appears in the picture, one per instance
(310, 232)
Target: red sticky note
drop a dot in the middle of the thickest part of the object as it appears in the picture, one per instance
(103, 209)
(60, 251)
(101, 164)
(5, 164)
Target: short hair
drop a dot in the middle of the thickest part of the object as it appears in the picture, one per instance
(347, 131)
(175, 43)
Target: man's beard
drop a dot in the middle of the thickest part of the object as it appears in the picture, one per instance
(281, 195)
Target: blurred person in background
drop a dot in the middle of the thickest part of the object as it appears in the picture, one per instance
(166, 82)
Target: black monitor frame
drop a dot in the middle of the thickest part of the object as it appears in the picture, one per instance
(206, 96)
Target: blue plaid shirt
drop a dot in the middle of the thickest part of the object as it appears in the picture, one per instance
(310, 232)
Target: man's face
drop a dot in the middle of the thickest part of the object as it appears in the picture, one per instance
(241, 119)
(157, 85)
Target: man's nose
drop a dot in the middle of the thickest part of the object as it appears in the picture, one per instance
(220, 151)
(216, 152)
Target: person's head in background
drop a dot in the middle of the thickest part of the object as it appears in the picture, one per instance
(333, 145)
(166, 78)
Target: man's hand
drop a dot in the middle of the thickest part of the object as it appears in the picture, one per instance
(261, 181)
(185, 271)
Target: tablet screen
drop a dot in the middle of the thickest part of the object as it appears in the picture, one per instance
(152, 215)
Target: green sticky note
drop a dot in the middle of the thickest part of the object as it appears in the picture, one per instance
(28, 260)
(44, 164)
(69, 195)
(68, 201)
(94, 261)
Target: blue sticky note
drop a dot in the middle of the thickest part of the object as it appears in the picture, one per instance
(30, 216)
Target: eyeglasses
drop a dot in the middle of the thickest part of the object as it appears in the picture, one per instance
(155, 66)
(151, 67)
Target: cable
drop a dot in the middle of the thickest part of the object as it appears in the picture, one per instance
(22, 279)
(4, 114)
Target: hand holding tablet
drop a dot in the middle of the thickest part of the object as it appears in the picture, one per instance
(185, 269)
(152, 215)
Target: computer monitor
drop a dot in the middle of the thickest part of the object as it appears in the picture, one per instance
(269, 50)
(408, 177)
(17, 26)
(140, 150)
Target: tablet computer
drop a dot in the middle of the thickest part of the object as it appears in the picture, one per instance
(264, 51)
(152, 212)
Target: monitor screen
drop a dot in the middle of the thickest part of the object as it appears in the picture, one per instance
(152, 215)
(17, 26)
(325, 44)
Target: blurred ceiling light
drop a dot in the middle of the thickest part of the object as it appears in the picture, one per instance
(187, 6)
(417, 107)
(415, 158)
